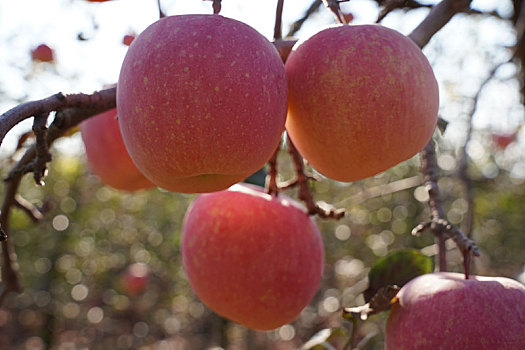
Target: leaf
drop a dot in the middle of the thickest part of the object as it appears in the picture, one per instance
(257, 178)
(397, 268)
(381, 301)
(321, 340)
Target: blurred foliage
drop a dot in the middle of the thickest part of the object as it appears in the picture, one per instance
(74, 263)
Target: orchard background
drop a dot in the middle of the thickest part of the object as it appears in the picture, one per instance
(74, 254)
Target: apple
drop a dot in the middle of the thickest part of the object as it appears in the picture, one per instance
(251, 257)
(363, 98)
(107, 156)
(202, 101)
(135, 278)
(503, 140)
(446, 311)
(43, 53)
(128, 39)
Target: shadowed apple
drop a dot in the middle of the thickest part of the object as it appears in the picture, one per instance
(251, 257)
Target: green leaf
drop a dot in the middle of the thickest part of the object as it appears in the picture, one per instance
(397, 268)
(257, 178)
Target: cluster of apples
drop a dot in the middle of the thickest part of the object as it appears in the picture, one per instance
(202, 103)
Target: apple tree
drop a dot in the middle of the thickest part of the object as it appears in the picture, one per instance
(234, 190)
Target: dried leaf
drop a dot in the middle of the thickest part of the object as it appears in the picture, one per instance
(381, 301)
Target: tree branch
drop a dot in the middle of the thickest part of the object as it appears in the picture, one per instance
(304, 191)
(436, 19)
(100, 100)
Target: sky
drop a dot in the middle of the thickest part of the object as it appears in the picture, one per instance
(85, 66)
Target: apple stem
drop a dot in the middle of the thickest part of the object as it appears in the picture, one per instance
(271, 186)
(216, 7)
(277, 30)
(161, 13)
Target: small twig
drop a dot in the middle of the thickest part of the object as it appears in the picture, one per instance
(161, 13)
(304, 193)
(440, 228)
(436, 19)
(271, 179)
(391, 5)
(463, 175)
(296, 26)
(33, 212)
(382, 190)
(39, 166)
(277, 30)
(333, 5)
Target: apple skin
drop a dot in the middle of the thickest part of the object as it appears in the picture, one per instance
(43, 53)
(202, 101)
(107, 155)
(363, 98)
(446, 311)
(251, 257)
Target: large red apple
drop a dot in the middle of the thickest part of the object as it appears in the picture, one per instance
(202, 101)
(107, 155)
(251, 257)
(446, 311)
(363, 98)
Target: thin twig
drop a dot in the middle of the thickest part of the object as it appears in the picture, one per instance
(161, 13)
(440, 228)
(39, 166)
(296, 26)
(333, 5)
(277, 30)
(33, 212)
(463, 175)
(436, 19)
(304, 193)
(391, 5)
(271, 179)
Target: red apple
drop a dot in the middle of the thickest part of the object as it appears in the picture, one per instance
(135, 278)
(503, 140)
(251, 257)
(128, 39)
(363, 98)
(107, 155)
(202, 101)
(43, 53)
(447, 311)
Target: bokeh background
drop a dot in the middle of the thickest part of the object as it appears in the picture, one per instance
(102, 269)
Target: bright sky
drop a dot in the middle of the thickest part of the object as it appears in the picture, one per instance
(84, 66)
